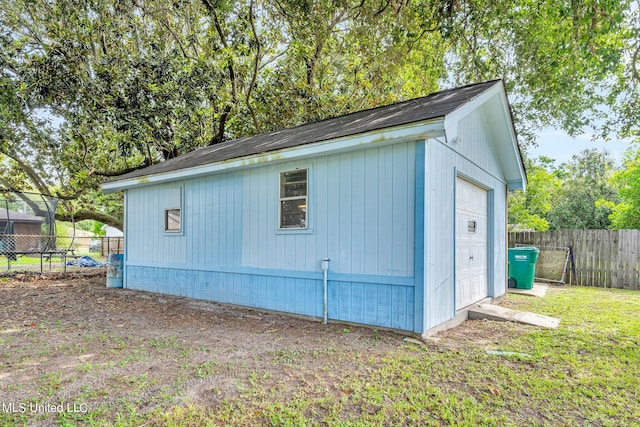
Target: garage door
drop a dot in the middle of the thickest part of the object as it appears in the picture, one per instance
(471, 243)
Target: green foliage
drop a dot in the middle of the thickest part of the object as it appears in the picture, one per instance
(557, 57)
(91, 226)
(520, 218)
(580, 194)
(137, 83)
(528, 210)
(585, 185)
(626, 214)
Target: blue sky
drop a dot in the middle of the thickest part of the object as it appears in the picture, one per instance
(558, 145)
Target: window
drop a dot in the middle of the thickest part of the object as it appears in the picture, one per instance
(172, 207)
(172, 220)
(293, 199)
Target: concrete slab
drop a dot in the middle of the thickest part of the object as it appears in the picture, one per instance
(495, 312)
(539, 290)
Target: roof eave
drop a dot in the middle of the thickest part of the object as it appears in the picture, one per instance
(515, 181)
(413, 131)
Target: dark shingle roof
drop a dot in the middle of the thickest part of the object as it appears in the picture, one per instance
(429, 107)
(18, 216)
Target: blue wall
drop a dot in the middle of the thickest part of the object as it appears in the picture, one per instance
(471, 157)
(361, 216)
(370, 211)
(384, 302)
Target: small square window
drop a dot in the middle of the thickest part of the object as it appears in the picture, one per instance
(293, 199)
(172, 220)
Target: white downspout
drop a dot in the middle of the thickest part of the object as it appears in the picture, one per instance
(325, 270)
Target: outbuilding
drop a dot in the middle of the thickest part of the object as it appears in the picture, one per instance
(19, 231)
(393, 216)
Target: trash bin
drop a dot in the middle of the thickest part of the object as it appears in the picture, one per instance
(114, 271)
(522, 267)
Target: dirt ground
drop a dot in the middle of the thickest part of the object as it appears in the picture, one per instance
(71, 339)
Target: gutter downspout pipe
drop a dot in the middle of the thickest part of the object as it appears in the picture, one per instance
(325, 270)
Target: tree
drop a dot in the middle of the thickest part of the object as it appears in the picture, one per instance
(557, 57)
(585, 185)
(621, 89)
(136, 82)
(626, 213)
(528, 210)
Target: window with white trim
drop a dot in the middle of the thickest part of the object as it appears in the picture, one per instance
(293, 199)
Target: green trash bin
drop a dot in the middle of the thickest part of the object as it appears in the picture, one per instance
(522, 267)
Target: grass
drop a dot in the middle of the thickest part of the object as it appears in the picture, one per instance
(35, 258)
(32, 262)
(586, 372)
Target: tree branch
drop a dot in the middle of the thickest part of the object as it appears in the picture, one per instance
(219, 136)
(40, 185)
(634, 64)
(177, 40)
(83, 214)
(37, 209)
(254, 74)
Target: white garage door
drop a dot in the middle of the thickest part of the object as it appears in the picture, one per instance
(471, 243)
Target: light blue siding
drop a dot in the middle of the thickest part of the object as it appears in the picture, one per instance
(360, 215)
(476, 144)
(295, 295)
(384, 216)
(361, 208)
(419, 238)
(373, 304)
(474, 159)
(146, 239)
(381, 303)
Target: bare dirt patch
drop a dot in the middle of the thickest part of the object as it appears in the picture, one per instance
(70, 339)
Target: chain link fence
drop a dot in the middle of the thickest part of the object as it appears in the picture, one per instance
(39, 253)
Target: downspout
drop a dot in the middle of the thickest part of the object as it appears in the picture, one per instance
(325, 270)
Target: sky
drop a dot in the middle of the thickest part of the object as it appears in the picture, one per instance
(558, 145)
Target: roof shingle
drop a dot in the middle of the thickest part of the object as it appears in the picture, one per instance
(429, 107)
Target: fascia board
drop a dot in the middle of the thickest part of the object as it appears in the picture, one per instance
(451, 120)
(496, 91)
(414, 131)
(513, 138)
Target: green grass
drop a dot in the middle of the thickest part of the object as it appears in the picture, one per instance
(586, 372)
(24, 260)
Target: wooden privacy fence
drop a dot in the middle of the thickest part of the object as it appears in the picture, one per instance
(602, 258)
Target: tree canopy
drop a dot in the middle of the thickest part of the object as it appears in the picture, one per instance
(585, 186)
(579, 194)
(528, 210)
(92, 89)
(626, 213)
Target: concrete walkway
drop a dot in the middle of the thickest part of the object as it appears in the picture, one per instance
(539, 290)
(495, 312)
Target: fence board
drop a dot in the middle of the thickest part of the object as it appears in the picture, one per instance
(602, 258)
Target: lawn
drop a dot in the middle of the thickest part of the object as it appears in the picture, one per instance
(130, 358)
(56, 263)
